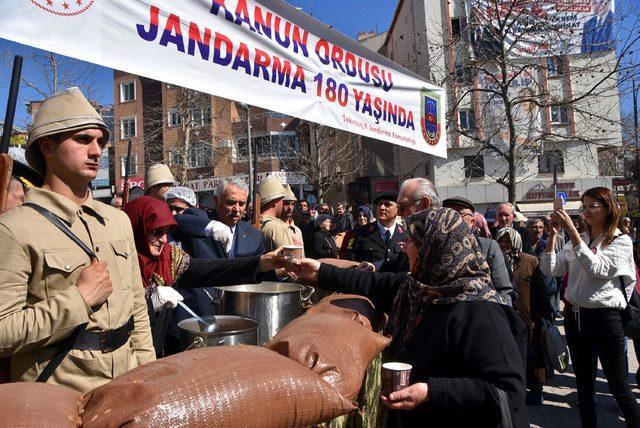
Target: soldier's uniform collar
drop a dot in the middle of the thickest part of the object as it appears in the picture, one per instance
(63, 207)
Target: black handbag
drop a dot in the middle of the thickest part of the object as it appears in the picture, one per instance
(631, 313)
(554, 347)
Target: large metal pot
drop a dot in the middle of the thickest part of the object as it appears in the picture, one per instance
(272, 304)
(231, 330)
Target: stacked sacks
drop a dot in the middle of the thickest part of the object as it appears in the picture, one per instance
(334, 342)
(31, 404)
(226, 386)
(358, 308)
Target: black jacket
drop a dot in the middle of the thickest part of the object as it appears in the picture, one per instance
(324, 246)
(200, 273)
(501, 274)
(464, 351)
(370, 245)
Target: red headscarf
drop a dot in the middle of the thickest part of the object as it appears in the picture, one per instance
(148, 214)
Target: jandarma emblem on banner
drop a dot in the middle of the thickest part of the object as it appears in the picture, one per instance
(429, 106)
(64, 7)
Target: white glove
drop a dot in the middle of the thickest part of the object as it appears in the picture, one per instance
(220, 232)
(165, 296)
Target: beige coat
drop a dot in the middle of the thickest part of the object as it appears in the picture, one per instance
(277, 233)
(40, 304)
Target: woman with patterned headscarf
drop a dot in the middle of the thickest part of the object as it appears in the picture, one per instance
(448, 322)
(532, 305)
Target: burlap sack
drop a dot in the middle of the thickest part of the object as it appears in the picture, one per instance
(31, 404)
(337, 348)
(340, 263)
(357, 308)
(226, 386)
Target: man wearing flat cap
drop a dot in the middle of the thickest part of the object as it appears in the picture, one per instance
(381, 242)
(51, 290)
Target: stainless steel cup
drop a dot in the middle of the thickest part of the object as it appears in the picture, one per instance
(395, 376)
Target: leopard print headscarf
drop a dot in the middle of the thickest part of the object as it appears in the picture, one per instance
(450, 268)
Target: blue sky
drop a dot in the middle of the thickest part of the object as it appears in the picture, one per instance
(351, 17)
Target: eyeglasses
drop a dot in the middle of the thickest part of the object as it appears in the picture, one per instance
(590, 207)
(160, 232)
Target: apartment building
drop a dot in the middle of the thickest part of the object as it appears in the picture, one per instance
(432, 38)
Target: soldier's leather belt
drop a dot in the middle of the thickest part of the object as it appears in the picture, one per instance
(104, 341)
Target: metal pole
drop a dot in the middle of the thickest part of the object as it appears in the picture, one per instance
(250, 155)
(254, 179)
(555, 179)
(11, 104)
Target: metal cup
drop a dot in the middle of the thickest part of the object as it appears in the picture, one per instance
(395, 376)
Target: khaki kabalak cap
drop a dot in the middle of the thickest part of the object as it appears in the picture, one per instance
(288, 194)
(270, 189)
(65, 111)
(158, 174)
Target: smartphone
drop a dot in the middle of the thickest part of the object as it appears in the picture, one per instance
(557, 204)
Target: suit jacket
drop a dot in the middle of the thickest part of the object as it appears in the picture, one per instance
(370, 246)
(501, 275)
(191, 234)
(248, 242)
(598, 37)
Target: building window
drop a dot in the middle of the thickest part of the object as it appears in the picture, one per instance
(133, 165)
(467, 119)
(559, 114)
(555, 66)
(175, 157)
(474, 166)
(174, 118)
(127, 128)
(278, 145)
(201, 116)
(200, 155)
(127, 91)
(458, 27)
(548, 159)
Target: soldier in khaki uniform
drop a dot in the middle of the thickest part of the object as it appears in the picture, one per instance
(48, 285)
(286, 215)
(275, 231)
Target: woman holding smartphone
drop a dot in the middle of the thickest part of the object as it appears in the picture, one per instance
(599, 263)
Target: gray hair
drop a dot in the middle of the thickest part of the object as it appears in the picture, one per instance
(113, 200)
(424, 188)
(509, 204)
(231, 181)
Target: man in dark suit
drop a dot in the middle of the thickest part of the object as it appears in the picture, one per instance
(382, 241)
(597, 31)
(219, 234)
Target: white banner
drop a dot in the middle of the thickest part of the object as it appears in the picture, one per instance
(541, 28)
(264, 53)
(210, 184)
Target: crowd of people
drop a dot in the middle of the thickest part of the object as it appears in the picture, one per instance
(469, 296)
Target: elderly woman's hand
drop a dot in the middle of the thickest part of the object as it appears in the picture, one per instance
(408, 398)
(308, 269)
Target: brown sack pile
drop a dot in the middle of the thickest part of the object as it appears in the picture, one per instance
(358, 308)
(335, 347)
(30, 404)
(226, 386)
